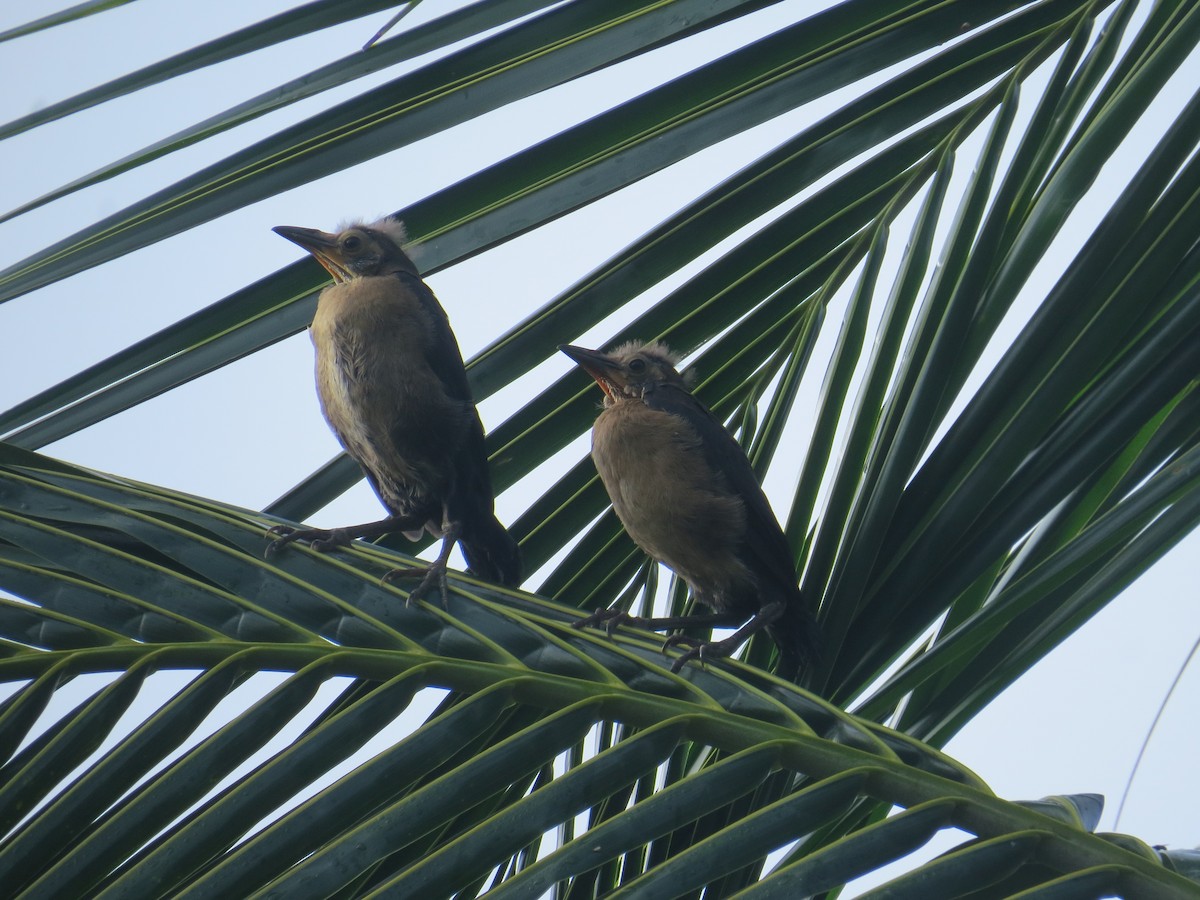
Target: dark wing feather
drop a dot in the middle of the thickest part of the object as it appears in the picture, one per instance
(445, 359)
(490, 551)
(442, 353)
(766, 544)
(766, 547)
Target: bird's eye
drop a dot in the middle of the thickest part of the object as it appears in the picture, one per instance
(637, 366)
(352, 244)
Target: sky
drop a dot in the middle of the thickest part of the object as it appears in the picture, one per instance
(1073, 724)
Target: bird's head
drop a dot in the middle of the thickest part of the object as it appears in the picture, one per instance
(356, 251)
(630, 370)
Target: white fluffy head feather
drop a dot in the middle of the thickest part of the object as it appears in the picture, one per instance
(655, 350)
(390, 226)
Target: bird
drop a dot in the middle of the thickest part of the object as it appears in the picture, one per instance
(393, 388)
(686, 494)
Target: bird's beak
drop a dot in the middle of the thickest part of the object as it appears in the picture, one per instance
(595, 363)
(321, 244)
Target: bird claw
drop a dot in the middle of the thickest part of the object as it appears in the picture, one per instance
(431, 575)
(319, 539)
(699, 649)
(610, 619)
(697, 653)
(337, 538)
(674, 640)
(287, 534)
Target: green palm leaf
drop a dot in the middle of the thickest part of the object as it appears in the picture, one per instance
(108, 793)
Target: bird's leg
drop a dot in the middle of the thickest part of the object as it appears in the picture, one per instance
(611, 618)
(435, 572)
(700, 649)
(322, 539)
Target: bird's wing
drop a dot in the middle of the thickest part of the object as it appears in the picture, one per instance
(442, 354)
(489, 550)
(473, 482)
(765, 542)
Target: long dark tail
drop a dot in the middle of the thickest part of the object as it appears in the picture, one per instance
(490, 550)
(798, 637)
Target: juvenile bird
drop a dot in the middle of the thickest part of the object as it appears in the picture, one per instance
(392, 387)
(685, 492)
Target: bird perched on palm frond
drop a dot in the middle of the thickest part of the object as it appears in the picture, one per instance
(685, 492)
(394, 390)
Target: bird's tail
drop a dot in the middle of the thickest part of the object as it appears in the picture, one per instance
(491, 552)
(798, 637)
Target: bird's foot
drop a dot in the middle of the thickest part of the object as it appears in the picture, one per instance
(432, 575)
(699, 649)
(319, 539)
(610, 619)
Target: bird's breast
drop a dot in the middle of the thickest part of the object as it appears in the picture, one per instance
(377, 387)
